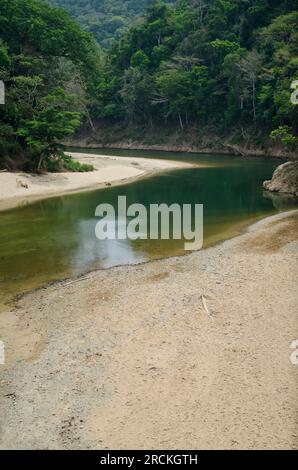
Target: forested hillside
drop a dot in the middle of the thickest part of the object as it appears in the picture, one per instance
(108, 20)
(49, 67)
(216, 70)
(219, 65)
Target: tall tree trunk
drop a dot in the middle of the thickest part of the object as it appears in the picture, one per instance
(90, 120)
(254, 101)
(40, 162)
(181, 123)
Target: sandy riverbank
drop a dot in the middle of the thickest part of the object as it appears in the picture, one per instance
(129, 357)
(17, 189)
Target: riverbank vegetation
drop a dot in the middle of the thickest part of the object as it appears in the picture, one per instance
(223, 65)
(49, 67)
(216, 68)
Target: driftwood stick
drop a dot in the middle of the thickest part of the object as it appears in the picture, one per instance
(205, 306)
(76, 280)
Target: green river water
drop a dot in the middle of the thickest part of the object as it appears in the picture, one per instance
(55, 238)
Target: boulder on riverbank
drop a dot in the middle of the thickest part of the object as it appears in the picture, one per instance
(284, 180)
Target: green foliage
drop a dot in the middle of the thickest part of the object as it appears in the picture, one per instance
(208, 63)
(75, 166)
(61, 163)
(108, 20)
(140, 60)
(221, 64)
(49, 125)
(4, 57)
(285, 135)
(42, 53)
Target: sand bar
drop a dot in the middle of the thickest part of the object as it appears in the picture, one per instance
(17, 189)
(130, 358)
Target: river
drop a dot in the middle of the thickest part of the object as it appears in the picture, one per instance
(55, 238)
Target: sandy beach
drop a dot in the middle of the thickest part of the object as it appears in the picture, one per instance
(17, 189)
(132, 357)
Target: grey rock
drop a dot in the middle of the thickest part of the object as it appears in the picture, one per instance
(284, 180)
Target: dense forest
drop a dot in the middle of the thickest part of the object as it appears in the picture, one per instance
(221, 65)
(49, 67)
(107, 20)
(216, 67)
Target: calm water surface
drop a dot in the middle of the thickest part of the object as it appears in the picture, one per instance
(55, 238)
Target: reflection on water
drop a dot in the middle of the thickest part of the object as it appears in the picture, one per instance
(111, 252)
(281, 201)
(55, 238)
